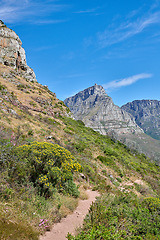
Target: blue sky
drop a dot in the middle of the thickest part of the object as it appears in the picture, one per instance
(73, 44)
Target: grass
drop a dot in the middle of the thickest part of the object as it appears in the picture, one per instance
(106, 164)
(18, 231)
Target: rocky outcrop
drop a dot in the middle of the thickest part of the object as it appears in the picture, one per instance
(146, 114)
(12, 54)
(97, 110)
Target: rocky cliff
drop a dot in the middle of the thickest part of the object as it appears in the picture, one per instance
(97, 110)
(146, 114)
(12, 54)
(24, 103)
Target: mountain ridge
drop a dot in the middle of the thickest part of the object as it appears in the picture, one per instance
(97, 110)
(146, 114)
(103, 110)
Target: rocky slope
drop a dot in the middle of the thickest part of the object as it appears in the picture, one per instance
(146, 114)
(12, 54)
(25, 105)
(97, 110)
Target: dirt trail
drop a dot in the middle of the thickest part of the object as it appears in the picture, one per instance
(71, 222)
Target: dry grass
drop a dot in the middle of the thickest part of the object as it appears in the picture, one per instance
(64, 211)
(82, 189)
(83, 195)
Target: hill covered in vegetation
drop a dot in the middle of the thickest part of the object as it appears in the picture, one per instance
(33, 183)
(48, 159)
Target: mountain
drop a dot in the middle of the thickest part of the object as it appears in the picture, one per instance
(12, 54)
(21, 96)
(146, 114)
(97, 110)
(42, 149)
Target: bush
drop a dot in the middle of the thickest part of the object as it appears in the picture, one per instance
(71, 188)
(106, 160)
(110, 152)
(45, 165)
(122, 217)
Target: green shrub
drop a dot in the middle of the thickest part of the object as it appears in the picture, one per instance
(44, 164)
(153, 204)
(122, 217)
(30, 133)
(71, 188)
(110, 152)
(106, 160)
(80, 146)
(89, 171)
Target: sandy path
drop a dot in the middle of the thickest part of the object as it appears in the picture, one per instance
(71, 222)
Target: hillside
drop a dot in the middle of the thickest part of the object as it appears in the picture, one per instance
(147, 115)
(97, 110)
(111, 167)
(48, 160)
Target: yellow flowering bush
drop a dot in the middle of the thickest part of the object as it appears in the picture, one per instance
(153, 204)
(46, 165)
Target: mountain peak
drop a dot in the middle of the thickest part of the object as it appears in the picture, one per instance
(97, 110)
(98, 89)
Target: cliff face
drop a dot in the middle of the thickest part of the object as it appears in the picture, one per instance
(97, 110)
(12, 54)
(146, 114)
(24, 103)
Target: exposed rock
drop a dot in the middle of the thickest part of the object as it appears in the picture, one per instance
(82, 176)
(49, 137)
(12, 112)
(97, 110)
(12, 54)
(146, 114)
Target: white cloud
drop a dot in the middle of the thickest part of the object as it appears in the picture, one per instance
(42, 22)
(127, 29)
(87, 11)
(12, 11)
(125, 81)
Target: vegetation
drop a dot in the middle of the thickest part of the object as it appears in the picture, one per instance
(42, 154)
(123, 216)
(44, 165)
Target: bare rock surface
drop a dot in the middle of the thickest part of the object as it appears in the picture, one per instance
(12, 54)
(146, 114)
(97, 110)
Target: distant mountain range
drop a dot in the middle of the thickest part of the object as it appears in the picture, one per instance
(147, 115)
(97, 110)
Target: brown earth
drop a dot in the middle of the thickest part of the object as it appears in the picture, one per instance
(73, 221)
